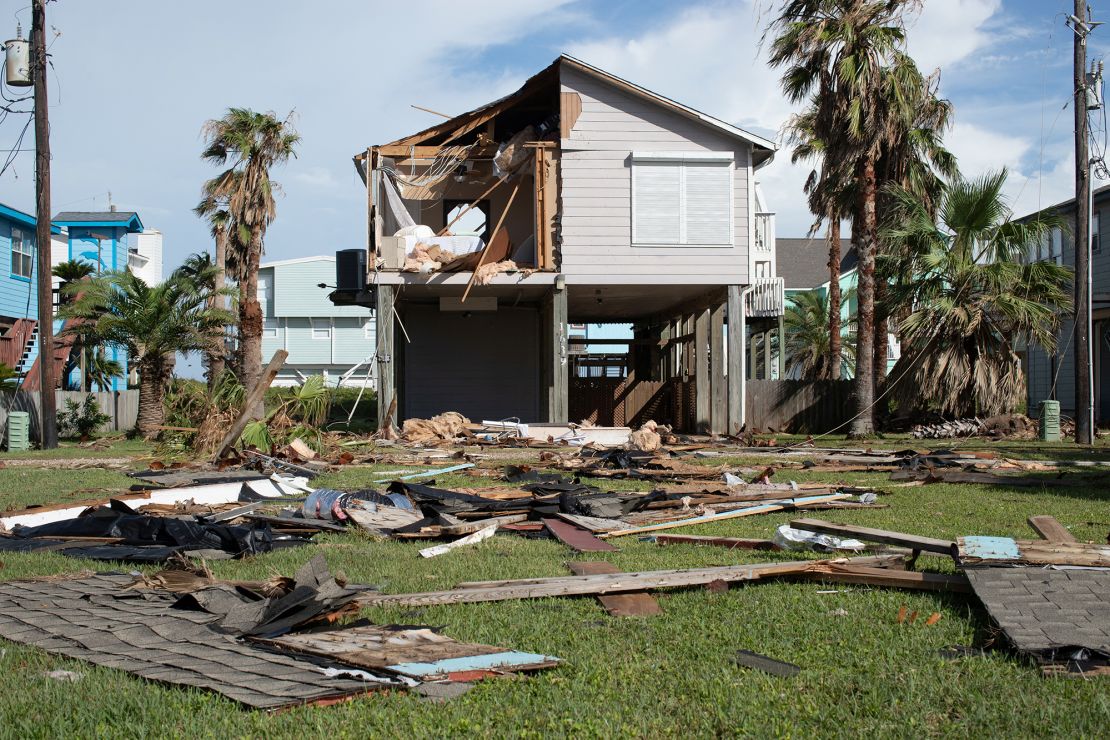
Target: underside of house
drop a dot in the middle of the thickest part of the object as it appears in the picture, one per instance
(579, 199)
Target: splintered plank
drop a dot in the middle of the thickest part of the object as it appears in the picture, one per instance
(732, 543)
(1050, 529)
(867, 534)
(576, 537)
(538, 588)
(835, 573)
(636, 604)
(767, 508)
(1003, 551)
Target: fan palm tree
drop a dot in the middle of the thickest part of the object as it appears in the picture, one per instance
(838, 50)
(808, 339)
(252, 143)
(151, 323)
(974, 297)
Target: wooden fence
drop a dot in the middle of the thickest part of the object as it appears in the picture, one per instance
(792, 406)
(798, 406)
(122, 406)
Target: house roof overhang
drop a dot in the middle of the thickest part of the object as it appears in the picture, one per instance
(24, 218)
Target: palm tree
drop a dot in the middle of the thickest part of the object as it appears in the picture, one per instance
(253, 143)
(974, 297)
(221, 225)
(808, 338)
(838, 50)
(151, 323)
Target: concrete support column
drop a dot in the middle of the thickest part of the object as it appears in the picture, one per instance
(384, 322)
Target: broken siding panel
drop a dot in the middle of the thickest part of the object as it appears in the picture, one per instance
(596, 191)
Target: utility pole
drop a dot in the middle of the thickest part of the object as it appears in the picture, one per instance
(48, 416)
(1084, 407)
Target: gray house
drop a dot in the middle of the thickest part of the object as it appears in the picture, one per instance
(1052, 376)
(593, 200)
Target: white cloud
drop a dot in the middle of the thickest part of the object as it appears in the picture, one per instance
(316, 177)
(950, 31)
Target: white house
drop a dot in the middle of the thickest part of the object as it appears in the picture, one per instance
(144, 256)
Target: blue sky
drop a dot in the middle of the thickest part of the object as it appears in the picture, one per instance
(133, 82)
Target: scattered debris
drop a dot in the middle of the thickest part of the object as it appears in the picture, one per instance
(748, 659)
(470, 539)
(646, 438)
(788, 538)
(631, 604)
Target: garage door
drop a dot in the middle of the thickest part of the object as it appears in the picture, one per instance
(484, 365)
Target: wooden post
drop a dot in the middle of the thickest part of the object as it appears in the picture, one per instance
(384, 320)
(562, 369)
(556, 368)
(736, 346)
(767, 335)
(701, 372)
(718, 413)
(782, 347)
(48, 416)
(254, 398)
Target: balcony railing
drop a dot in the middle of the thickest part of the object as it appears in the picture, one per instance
(766, 297)
(764, 233)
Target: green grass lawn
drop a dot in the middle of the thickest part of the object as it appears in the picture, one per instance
(862, 673)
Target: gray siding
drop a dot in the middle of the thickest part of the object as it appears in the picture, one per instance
(596, 189)
(1039, 366)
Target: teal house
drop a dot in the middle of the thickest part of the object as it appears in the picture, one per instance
(321, 338)
(804, 266)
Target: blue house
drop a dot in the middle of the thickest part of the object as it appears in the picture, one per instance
(18, 293)
(102, 238)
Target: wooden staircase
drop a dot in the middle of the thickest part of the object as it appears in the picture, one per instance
(63, 346)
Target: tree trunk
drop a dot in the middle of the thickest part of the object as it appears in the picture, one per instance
(151, 389)
(882, 328)
(835, 350)
(864, 232)
(250, 324)
(216, 358)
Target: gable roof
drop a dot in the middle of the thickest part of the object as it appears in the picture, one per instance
(763, 149)
(1064, 204)
(124, 219)
(803, 264)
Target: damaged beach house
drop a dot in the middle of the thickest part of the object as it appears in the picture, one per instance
(581, 198)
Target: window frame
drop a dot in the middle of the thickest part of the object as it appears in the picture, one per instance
(1096, 228)
(684, 160)
(313, 328)
(29, 255)
(275, 329)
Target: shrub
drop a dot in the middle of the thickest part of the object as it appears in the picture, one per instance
(82, 419)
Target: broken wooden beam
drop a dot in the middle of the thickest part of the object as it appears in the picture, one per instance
(253, 399)
(767, 508)
(1006, 551)
(867, 534)
(1050, 529)
(634, 604)
(867, 576)
(579, 539)
(732, 543)
(538, 588)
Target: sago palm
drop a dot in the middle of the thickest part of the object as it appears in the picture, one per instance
(151, 323)
(809, 341)
(252, 144)
(974, 298)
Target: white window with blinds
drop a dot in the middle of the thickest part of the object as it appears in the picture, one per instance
(682, 198)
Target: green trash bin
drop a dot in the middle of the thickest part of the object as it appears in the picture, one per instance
(1050, 421)
(19, 431)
